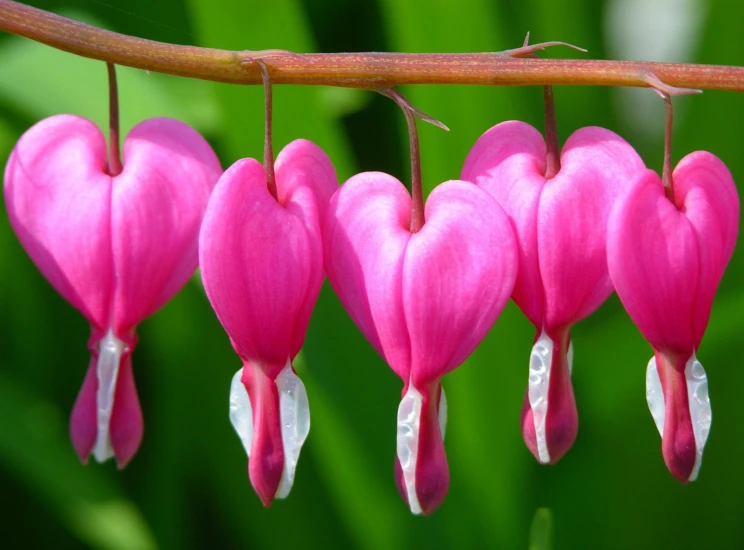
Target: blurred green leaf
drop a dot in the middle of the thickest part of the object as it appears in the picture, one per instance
(541, 530)
(86, 500)
(80, 85)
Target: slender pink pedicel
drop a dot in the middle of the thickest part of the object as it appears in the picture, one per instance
(117, 248)
(262, 265)
(561, 225)
(424, 300)
(666, 259)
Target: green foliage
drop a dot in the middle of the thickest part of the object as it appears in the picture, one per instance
(188, 486)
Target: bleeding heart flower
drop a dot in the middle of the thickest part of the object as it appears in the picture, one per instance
(561, 223)
(666, 258)
(116, 247)
(424, 300)
(262, 264)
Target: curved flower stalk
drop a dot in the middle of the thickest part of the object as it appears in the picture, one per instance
(666, 256)
(261, 261)
(561, 222)
(116, 247)
(423, 299)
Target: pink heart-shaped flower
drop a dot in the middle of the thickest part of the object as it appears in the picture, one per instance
(423, 300)
(561, 226)
(117, 248)
(262, 265)
(666, 260)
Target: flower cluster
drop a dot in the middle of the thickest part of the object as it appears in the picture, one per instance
(423, 284)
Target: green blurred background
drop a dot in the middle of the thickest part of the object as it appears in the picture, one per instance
(188, 486)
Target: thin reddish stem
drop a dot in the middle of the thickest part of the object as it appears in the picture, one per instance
(114, 152)
(417, 192)
(666, 171)
(553, 157)
(356, 70)
(268, 118)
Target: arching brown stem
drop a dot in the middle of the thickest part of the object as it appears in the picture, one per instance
(356, 70)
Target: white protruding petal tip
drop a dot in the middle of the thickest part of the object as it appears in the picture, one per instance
(107, 372)
(700, 411)
(655, 395)
(241, 413)
(537, 390)
(294, 412)
(409, 423)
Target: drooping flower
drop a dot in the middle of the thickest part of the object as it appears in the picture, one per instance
(261, 261)
(666, 258)
(561, 223)
(424, 300)
(116, 247)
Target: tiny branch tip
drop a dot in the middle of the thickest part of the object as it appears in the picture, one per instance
(663, 89)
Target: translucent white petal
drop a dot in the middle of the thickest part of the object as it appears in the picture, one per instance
(294, 413)
(537, 390)
(107, 372)
(409, 423)
(655, 395)
(241, 413)
(698, 402)
(700, 411)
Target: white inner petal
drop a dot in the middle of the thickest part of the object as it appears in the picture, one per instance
(700, 412)
(294, 412)
(537, 391)
(241, 413)
(655, 395)
(698, 402)
(409, 424)
(107, 371)
(294, 415)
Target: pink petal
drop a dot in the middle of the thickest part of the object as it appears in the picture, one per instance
(158, 203)
(364, 239)
(126, 426)
(266, 464)
(655, 265)
(508, 161)
(83, 420)
(58, 198)
(458, 273)
(261, 263)
(597, 168)
(306, 181)
(706, 193)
